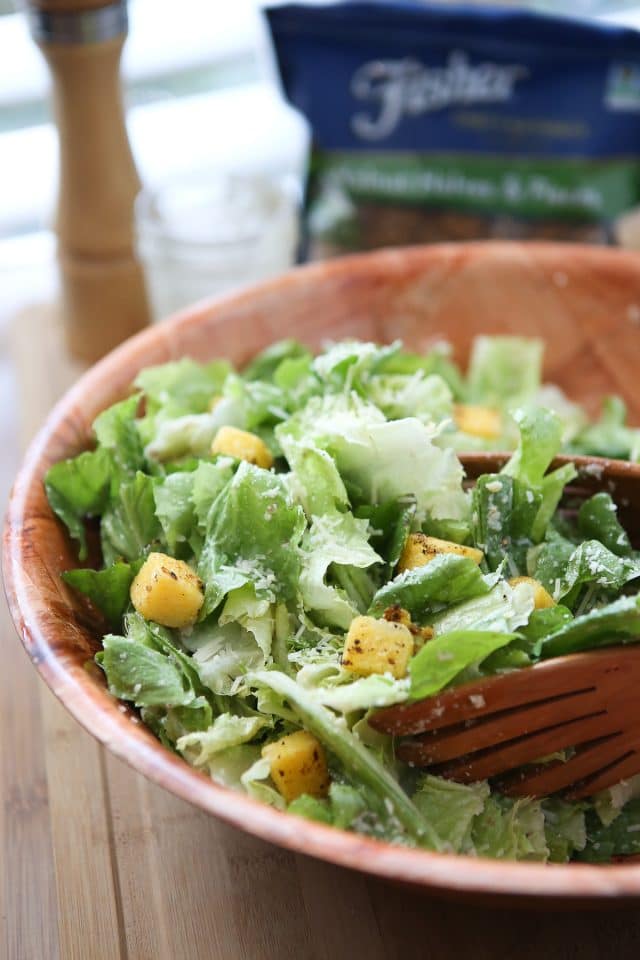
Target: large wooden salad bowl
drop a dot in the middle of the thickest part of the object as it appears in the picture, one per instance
(585, 302)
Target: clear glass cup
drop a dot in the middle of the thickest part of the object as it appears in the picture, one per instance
(212, 234)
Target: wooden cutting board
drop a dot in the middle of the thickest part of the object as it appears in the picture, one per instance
(96, 863)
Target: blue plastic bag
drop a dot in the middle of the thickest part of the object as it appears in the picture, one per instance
(458, 122)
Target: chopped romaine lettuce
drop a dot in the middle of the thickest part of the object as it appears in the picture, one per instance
(446, 580)
(504, 370)
(79, 488)
(108, 589)
(620, 837)
(447, 655)
(451, 808)
(597, 519)
(364, 440)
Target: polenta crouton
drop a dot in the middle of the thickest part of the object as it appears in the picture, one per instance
(298, 765)
(242, 445)
(541, 598)
(478, 421)
(167, 591)
(377, 646)
(420, 549)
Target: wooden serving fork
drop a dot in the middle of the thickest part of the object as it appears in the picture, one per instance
(501, 726)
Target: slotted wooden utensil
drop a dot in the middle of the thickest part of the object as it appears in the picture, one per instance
(501, 726)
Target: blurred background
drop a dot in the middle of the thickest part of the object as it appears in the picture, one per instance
(222, 155)
(203, 103)
(200, 98)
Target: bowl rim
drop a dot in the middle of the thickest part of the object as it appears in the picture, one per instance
(101, 716)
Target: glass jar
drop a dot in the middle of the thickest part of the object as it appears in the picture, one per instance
(213, 234)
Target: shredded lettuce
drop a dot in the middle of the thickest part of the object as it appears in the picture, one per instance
(364, 439)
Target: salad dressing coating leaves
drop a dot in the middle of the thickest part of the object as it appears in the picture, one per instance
(364, 439)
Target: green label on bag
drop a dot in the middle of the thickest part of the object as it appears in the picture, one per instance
(571, 189)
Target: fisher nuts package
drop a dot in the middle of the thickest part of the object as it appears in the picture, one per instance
(437, 123)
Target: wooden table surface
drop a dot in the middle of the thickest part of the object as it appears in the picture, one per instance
(96, 863)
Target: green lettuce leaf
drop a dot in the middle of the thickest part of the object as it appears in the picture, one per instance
(510, 830)
(182, 386)
(348, 364)
(502, 515)
(597, 520)
(79, 488)
(565, 828)
(544, 622)
(447, 655)
(254, 614)
(265, 364)
(129, 524)
(230, 765)
(223, 655)
(175, 509)
(504, 609)
(339, 541)
(609, 436)
(592, 563)
(190, 435)
(227, 730)
(451, 808)
(540, 441)
(621, 837)
(503, 370)
(311, 808)
(347, 804)
(609, 803)
(378, 690)
(209, 479)
(445, 580)
(458, 531)
(617, 622)
(314, 477)
(548, 562)
(382, 460)
(346, 808)
(253, 538)
(436, 361)
(426, 397)
(253, 782)
(116, 431)
(108, 589)
(390, 523)
(143, 675)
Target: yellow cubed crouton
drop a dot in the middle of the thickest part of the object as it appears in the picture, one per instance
(167, 591)
(420, 549)
(541, 598)
(478, 421)
(298, 765)
(377, 646)
(242, 445)
(397, 614)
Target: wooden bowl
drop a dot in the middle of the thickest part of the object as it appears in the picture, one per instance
(585, 302)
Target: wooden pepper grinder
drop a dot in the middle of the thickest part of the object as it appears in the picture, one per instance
(104, 297)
